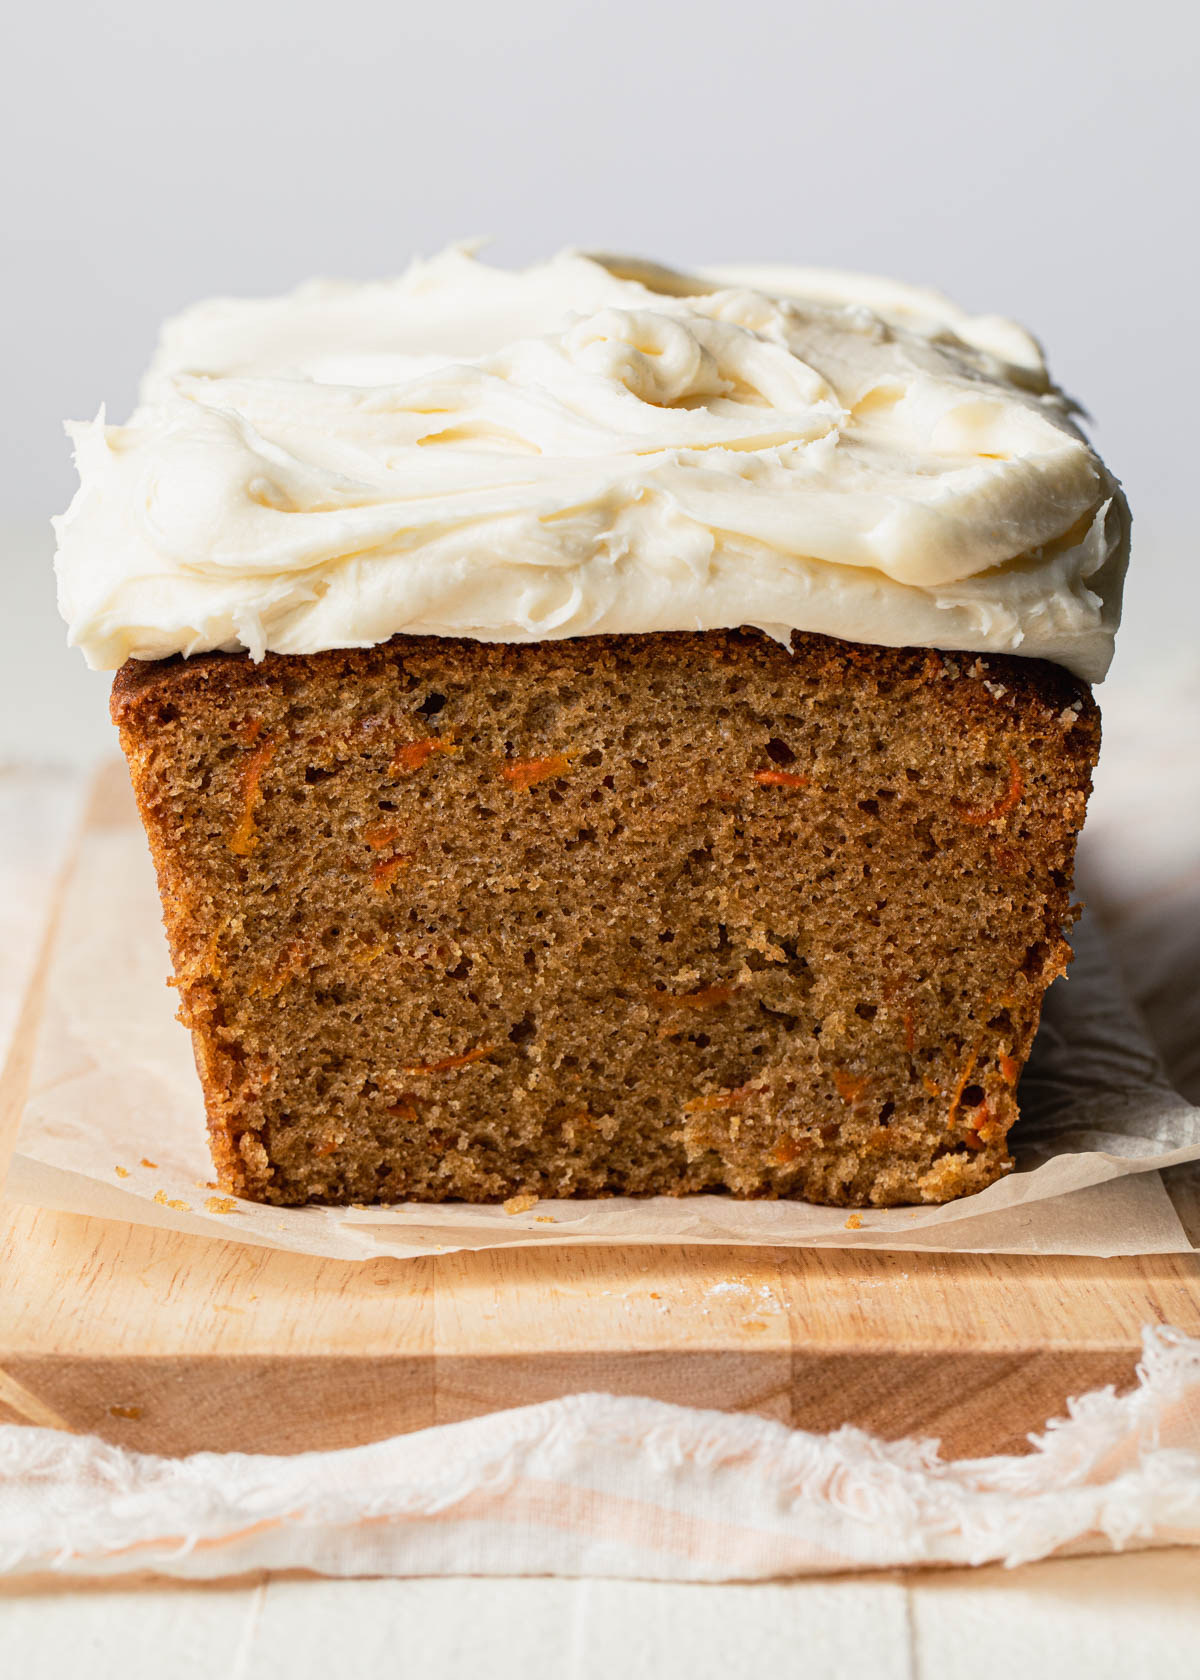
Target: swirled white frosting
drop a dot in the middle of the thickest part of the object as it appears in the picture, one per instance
(592, 445)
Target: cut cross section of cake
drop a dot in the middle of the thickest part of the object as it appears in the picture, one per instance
(634, 914)
(604, 731)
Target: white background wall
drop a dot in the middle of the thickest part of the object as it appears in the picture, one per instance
(1036, 157)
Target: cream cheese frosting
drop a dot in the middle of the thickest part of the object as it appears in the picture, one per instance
(592, 445)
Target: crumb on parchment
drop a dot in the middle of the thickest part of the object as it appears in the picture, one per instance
(163, 1200)
(220, 1204)
(854, 1223)
(153, 1165)
(520, 1204)
(121, 1172)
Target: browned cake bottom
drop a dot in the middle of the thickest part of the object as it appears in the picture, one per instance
(621, 914)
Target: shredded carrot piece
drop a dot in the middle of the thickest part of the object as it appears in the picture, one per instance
(527, 772)
(707, 998)
(785, 1152)
(972, 1139)
(251, 729)
(985, 1125)
(211, 963)
(385, 871)
(288, 965)
(1009, 802)
(964, 1080)
(329, 1146)
(244, 839)
(381, 834)
(910, 1041)
(934, 1090)
(719, 1099)
(779, 778)
(848, 1088)
(413, 754)
(1010, 1068)
(449, 1062)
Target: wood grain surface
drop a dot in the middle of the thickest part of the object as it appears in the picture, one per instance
(172, 1343)
(177, 1344)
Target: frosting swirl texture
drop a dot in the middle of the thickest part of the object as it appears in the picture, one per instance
(592, 445)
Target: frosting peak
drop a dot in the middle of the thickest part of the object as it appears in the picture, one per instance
(592, 445)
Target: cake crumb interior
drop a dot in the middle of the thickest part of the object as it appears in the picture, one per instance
(614, 915)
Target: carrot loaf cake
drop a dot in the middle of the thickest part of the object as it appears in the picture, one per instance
(601, 730)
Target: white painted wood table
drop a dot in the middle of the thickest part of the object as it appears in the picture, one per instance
(1079, 1619)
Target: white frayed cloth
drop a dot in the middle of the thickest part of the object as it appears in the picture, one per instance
(595, 1485)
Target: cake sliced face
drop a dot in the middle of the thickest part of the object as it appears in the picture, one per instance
(532, 691)
(628, 915)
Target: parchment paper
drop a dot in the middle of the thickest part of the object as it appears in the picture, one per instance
(114, 1125)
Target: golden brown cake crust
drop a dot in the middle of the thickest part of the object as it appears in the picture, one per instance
(646, 914)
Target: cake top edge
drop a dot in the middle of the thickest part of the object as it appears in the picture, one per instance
(592, 445)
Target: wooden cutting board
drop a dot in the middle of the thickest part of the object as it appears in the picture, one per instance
(171, 1343)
